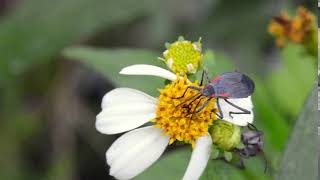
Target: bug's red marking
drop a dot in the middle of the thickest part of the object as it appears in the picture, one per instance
(216, 79)
(224, 95)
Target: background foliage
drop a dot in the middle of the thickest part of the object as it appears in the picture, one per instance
(58, 58)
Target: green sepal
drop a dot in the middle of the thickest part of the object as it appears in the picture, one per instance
(240, 146)
(215, 153)
(161, 59)
(198, 43)
(180, 38)
(167, 45)
(227, 155)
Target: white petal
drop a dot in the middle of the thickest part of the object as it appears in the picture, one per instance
(237, 119)
(199, 158)
(144, 69)
(124, 95)
(124, 109)
(135, 151)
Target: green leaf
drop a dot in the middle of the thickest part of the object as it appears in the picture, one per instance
(36, 30)
(247, 43)
(272, 122)
(268, 118)
(217, 169)
(290, 84)
(171, 166)
(214, 63)
(110, 62)
(300, 159)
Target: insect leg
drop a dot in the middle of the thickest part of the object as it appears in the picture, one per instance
(242, 155)
(193, 98)
(204, 73)
(189, 87)
(193, 112)
(244, 111)
(252, 127)
(220, 115)
(265, 162)
(231, 112)
(197, 97)
(203, 105)
(241, 164)
(195, 109)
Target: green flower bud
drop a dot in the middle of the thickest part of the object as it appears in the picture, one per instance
(182, 56)
(225, 135)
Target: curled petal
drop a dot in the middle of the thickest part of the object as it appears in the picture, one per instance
(237, 119)
(135, 151)
(144, 69)
(199, 158)
(124, 109)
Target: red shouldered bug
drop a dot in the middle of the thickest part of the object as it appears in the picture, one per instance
(225, 86)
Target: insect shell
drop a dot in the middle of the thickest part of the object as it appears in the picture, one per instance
(229, 85)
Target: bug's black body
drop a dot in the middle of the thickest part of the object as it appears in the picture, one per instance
(229, 85)
(225, 86)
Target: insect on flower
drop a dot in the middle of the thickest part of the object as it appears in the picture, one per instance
(230, 85)
(126, 109)
(253, 145)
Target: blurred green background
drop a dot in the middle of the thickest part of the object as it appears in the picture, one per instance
(58, 58)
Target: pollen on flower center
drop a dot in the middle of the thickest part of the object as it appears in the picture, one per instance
(175, 115)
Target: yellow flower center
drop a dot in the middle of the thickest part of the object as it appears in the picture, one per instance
(177, 116)
(183, 56)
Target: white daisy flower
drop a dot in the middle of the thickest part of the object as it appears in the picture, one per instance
(124, 109)
(237, 119)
